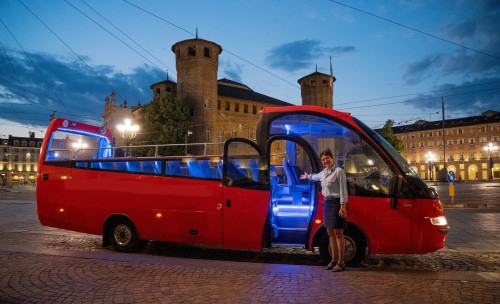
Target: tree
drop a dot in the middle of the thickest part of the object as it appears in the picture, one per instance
(163, 121)
(386, 132)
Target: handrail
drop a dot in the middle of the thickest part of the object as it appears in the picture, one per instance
(113, 149)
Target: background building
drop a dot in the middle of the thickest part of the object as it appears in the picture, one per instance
(218, 109)
(459, 147)
(19, 159)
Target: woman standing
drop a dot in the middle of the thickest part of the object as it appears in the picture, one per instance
(334, 190)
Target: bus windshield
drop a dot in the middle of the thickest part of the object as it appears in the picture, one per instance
(365, 168)
(407, 169)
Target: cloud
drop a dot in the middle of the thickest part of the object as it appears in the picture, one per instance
(480, 32)
(467, 98)
(301, 54)
(31, 92)
(231, 71)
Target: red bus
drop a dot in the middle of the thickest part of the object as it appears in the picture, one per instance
(250, 197)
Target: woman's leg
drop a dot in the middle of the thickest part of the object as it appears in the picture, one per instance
(333, 245)
(340, 244)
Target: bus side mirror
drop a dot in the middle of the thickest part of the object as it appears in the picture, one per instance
(396, 189)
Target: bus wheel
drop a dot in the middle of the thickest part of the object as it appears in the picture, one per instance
(355, 247)
(124, 236)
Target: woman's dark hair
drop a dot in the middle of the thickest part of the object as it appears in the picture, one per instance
(327, 152)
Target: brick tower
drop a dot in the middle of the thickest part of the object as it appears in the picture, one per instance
(197, 61)
(316, 90)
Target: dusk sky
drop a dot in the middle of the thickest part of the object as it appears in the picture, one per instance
(392, 59)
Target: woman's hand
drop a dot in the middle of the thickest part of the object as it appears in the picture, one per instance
(343, 211)
(304, 176)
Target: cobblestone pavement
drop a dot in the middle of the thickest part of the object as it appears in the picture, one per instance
(45, 265)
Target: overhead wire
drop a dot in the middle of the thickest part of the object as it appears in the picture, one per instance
(414, 100)
(414, 29)
(35, 66)
(76, 54)
(131, 39)
(106, 30)
(196, 35)
(12, 67)
(411, 94)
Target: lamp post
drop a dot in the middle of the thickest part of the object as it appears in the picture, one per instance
(79, 145)
(127, 131)
(490, 148)
(431, 157)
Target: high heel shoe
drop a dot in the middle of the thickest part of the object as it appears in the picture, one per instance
(330, 266)
(338, 268)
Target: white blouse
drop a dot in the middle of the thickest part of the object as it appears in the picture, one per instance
(333, 184)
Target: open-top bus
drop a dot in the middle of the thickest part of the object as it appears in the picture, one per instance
(250, 197)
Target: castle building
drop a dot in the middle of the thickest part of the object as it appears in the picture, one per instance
(218, 108)
(19, 159)
(459, 146)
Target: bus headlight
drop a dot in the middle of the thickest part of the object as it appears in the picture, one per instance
(439, 221)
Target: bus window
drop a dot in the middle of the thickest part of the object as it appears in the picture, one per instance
(367, 173)
(66, 145)
(244, 167)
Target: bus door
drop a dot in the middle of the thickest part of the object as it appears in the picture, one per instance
(245, 194)
(293, 200)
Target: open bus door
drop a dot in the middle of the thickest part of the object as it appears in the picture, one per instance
(294, 201)
(245, 194)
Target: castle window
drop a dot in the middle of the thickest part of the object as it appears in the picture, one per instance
(169, 90)
(207, 135)
(206, 52)
(191, 51)
(250, 135)
(245, 108)
(220, 137)
(228, 106)
(254, 110)
(24, 143)
(32, 143)
(234, 134)
(325, 83)
(236, 107)
(313, 83)
(218, 105)
(157, 92)
(16, 143)
(192, 112)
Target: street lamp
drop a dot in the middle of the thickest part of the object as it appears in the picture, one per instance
(490, 148)
(431, 157)
(79, 144)
(127, 131)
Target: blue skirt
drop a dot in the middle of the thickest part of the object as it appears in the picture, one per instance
(331, 217)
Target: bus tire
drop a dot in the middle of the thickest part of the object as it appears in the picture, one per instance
(355, 247)
(124, 236)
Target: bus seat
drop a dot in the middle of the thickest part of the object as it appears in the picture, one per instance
(135, 166)
(157, 167)
(205, 168)
(194, 168)
(288, 172)
(173, 167)
(219, 169)
(254, 169)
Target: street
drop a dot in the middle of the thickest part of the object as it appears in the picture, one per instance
(46, 265)
(482, 193)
